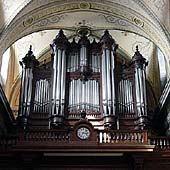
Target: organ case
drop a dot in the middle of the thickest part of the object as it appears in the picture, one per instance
(88, 78)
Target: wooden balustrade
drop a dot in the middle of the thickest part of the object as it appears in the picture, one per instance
(46, 135)
(8, 141)
(109, 137)
(160, 142)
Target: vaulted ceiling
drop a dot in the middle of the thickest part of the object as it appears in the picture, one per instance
(149, 18)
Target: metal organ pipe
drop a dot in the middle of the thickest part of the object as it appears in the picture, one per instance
(28, 64)
(144, 86)
(112, 77)
(73, 57)
(104, 81)
(58, 81)
(125, 97)
(83, 96)
(108, 91)
(109, 88)
(95, 57)
(22, 90)
(83, 93)
(41, 97)
(63, 82)
(84, 63)
(59, 76)
(140, 85)
(25, 93)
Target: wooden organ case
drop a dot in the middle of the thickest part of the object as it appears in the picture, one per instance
(87, 86)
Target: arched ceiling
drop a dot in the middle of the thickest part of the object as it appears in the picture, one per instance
(22, 17)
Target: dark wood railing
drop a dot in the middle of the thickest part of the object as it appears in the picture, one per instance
(160, 142)
(122, 136)
(47, 135)
(104, 137)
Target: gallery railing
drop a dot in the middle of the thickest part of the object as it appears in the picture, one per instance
(104, 137)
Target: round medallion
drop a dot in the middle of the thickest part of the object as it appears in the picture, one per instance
(83, 133)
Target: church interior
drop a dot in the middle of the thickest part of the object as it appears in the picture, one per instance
(84, 85)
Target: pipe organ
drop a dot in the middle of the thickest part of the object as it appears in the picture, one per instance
(58, 78)
(108, 79)
(88, 77)
(28, 63)
(125, 97)
(83, 96)
(140, 64)
(42, 98)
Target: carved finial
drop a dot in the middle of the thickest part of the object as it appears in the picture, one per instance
(44, 63)
(30, 48)
(137, 48)
(30, 51)
(61, 40)
(74, 40)
(106, 32)
(106, 40)
(29, 60)
(61, 31)
(83, 114)
(138, 58)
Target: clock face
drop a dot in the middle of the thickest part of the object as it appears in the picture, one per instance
(83, 133)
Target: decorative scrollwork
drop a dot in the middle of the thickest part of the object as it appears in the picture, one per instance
(138, 22)
(50, 20)
(84, 5)
(112, 19)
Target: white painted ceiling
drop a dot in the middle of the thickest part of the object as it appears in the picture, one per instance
(138, 22)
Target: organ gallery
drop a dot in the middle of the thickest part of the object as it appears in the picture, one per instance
(85, 80)
(86, 103)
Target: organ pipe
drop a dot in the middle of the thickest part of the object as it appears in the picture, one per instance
(28, 64)
(125, 97)
(59, 47)
(84, 59)
(41, 97)
(95, 56)
(108, 92)
(140, 64)
(86, 96)
(90, 68)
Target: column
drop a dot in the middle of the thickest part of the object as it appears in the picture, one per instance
(84, 59)
(108, 81)
(139, 64)
(59, 47)
(28, 64)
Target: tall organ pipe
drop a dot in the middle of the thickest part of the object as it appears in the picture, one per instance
(84, 63)
(28, 64)
(108, 88)
(104, 85)
(95, 56)
(59, 47)
(139, 63)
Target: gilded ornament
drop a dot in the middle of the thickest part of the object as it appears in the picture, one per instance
(29, 21)
(84, 5)
(138, 22)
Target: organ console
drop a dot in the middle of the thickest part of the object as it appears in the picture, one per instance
(85, 77)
